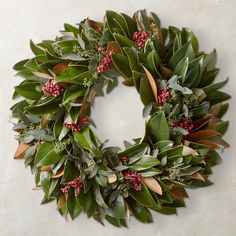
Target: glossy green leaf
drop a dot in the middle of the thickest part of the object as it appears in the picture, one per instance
(158, 128)
(72, 205)
(28, 90)
(185, 51)
(46, 155)
(143, 196)
(135, 152)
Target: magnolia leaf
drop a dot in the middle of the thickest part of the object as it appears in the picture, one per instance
(188, 151)
(202, 134)
(152, 83)
(166, 72)
(42, 75)
(59, 68)
(46, 168)
(59, 173)
(113, 47)
(61, 201)
(112, 178)
(20, 151)
(197, 176)
(152, 184)
(179, 193)
(44, 121)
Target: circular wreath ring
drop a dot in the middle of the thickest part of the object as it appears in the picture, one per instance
(183, 107)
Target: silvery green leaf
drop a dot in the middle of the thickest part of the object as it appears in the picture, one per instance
(28, 139)
(164, 161)
(186, 91)
(180, 130)
(37, 132)
(147, 109)
(73, 57)
(185, 110)
(120, 168)
(180, 160)
(19, 126)
(161, 84)
(127, 144)
(155, 152)
(47, 137)
(175, 110)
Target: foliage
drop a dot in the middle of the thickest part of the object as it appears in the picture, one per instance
(184, 129)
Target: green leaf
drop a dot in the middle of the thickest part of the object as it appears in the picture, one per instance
(210, 60)
(145, 91)
(130, 24)
(187, 35)
(213, 87)
(71, 28)
(46, 155)
(164, 145)
(116, 23)
(140, 212)
(181, 68)
(70, 171)
(133, 58)
(85, 200)
(28, 90)
(36, 49)
(156, 20)
(201, 110)
(73, 92)
(72, 75)
(158, 128)
(98, 196)
(185, 51)
(33, 65)
(46, 183)
(85, 139)
(49, 106)
(20, 65)
(217, 97)
(143, 196)
(135, 152)
(146, 162)
(117, 209)
(221, 127)
(124, 41)
(122, 64)
(72, 205)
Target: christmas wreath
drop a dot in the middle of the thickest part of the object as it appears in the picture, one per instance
(182, 106)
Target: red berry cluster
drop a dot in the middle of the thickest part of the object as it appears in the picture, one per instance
(124, 159)
(73, 126)
(52, 88)
(185, 123)
(105, 63)
(77, 127)
(140, 38)
(133, 179)
(84, 120)
(163, 96)
(77, 184)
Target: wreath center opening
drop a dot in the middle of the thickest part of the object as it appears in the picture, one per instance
(118, 115)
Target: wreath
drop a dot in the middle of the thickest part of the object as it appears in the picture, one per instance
(182, 106)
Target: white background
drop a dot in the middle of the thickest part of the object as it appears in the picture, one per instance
(210, 211)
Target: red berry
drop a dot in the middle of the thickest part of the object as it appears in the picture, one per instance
(163, 96)
(133, 179)
(77, 184)
(105, 63)
(52, 88)
(140, 38)
(185, 123)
